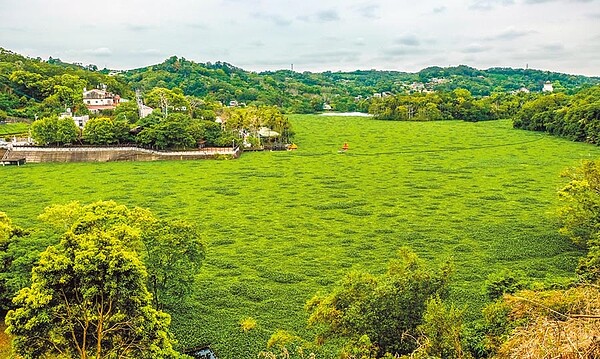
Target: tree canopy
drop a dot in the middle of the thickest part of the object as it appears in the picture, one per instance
(88, 298)
(383, 310)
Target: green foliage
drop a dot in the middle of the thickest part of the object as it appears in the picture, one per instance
(581, 197)
(580, 215)
(387, 309)
(18, 128)
(167, 100)
(345, 91)
(493, 330)
(8, 234)
(251, 119)
(576, 117)
(503, 282)
(88, 298)
(171, 250)
(442, 329)
(456, 105)
(173, 253)
(32, 87)
(54, 131)
(127, 111)
(105, 131)
(175, 131)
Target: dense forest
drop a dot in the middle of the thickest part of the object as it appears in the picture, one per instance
(576, 117)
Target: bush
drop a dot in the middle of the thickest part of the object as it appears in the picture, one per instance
(247, 324)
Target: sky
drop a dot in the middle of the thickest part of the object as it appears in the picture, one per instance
(313, 35)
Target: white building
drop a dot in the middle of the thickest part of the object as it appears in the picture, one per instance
(97, 100)
(548, 87)
(80, 121)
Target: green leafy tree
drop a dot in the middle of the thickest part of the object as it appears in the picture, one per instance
(386, 309)
(172, 251)
(127, 111)
(581, 215)
(175, 131)
(105, 131)
(54, 131)
(167, 100)
(8, 234)
(88, 298)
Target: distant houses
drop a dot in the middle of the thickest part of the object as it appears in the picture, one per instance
(548, 87)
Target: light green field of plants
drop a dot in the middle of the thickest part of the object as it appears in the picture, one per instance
(281, 226)
(8, 129)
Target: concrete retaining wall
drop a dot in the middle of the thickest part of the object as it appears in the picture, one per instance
(107, 154)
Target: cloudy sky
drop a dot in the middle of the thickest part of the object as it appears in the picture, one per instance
(314, 35)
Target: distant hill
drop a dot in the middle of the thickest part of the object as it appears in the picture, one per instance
(30, 87)
(307, 91)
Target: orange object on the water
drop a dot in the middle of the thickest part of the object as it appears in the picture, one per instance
(345, 147)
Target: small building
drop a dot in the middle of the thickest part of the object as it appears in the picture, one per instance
(97, 100)
(548, 87)
(327, 107)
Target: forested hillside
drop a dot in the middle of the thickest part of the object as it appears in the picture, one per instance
(344, 91)
(30, 87)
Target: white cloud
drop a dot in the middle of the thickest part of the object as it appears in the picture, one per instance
(100, 52)
(314, 35)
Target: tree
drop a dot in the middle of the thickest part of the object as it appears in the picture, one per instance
(581, 215)
(386, 309)
(8, 234)
(167, 100)
(54, 131)
(172, 251)
(127, 111)
(105, 131)
(175, 131)
(88, 298)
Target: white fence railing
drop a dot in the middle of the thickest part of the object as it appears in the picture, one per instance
(203, 151)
